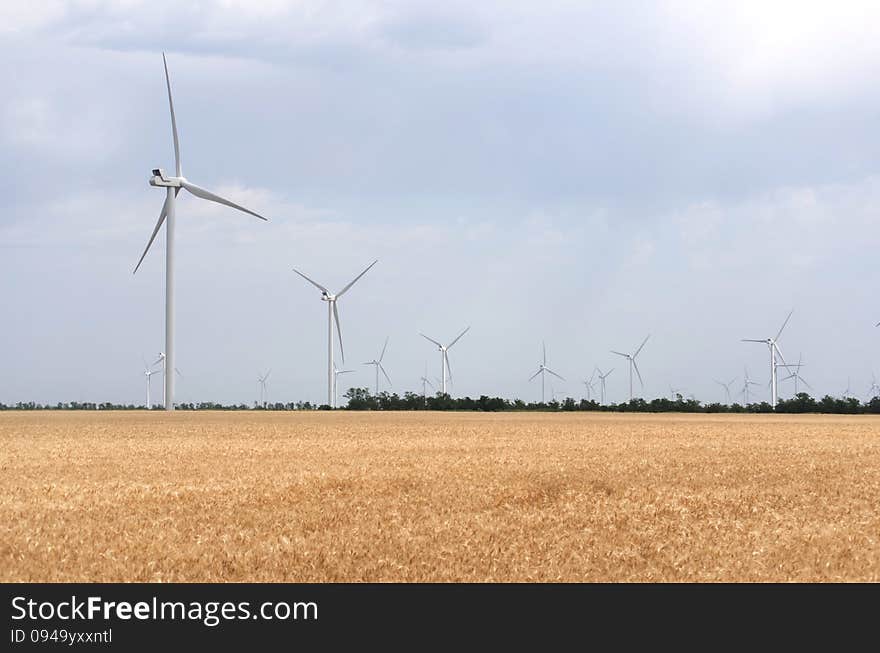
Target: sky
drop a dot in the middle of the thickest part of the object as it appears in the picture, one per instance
(577, 173)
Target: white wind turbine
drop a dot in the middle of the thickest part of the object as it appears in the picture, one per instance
(590, 385)
(336, 373)
(543, 370)
(772, 344)
(167, 215)
(261, 381)
(445, 369)
(333, 315)
(874, 390)
(632, 364)
(744, 393)
(163, 359)
(602, 378)
(726, 387)
(425, 383)
(377, 363)
(148, 373)
(796, 374)
(674, 392)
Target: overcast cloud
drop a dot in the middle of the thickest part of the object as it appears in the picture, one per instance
(579, 173)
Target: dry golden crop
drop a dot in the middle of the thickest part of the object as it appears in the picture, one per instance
(437, 497)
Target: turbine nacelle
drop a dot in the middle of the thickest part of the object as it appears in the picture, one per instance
(160, 179)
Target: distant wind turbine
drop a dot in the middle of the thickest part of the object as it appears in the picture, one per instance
(425, 383)
(148, 373)
(543, 370)
(796, 375)
(773, 345)
(726, 387)
(632, 365)
(336, 373)
(163, 360)
(590, 385)
(377, 363)
(602, 378)
(333, 315)
(874, 390)
(261, 381)
(172, 186)
(744, 393)
(674, 393)
(445, 369)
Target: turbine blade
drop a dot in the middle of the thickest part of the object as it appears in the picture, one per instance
(783, 325)
(448, 366)
(205, 194)
(620, 353)
(802, 380)
(431, 339)
(338, 331)
(608, 373)
(158, 226)
(554, 374)
(544, 347)
(344, 290)
(449, 346)
(382, 355)
(641, 345)
(314, 283)
(639, 374)
(388, 378)
(266, 378)
(540, 369)
(177, 167)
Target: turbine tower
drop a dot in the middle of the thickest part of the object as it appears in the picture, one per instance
(726, 387)
(261, 380)
(445, 369)
(602, 378)
(336, 373)
(772, 344)
(172, 186)
(746, 383)
(543, 370)
(333, 315)
(377, 363)
(148, 373)
(632, 364)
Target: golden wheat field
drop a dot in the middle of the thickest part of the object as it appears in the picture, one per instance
(437, 497)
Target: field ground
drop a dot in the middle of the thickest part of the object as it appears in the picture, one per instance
(438, 497)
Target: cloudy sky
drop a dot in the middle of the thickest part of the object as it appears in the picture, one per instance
(580, 173)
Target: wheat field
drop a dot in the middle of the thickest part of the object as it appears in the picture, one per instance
(313, 497)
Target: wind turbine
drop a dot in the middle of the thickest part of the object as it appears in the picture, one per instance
(874, 390)
(796, 375)
(602, 378)
(148, 373)
(333, 315)
(726, 387)
(172, 186)
(590, 385)
(336, 373)
(543, 370)
(261, 380)
(425, 383)
(632, 364)
(445, 369)
(772, 344)
(163, 360)
(847, 394)
(674, 392)
(746, 383)
(377, 363)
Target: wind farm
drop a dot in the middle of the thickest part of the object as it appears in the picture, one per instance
(590, 258)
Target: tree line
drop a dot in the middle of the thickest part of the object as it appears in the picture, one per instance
(362, 399)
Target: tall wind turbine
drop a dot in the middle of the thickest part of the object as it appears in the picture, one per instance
(172, 186)
(632, 364)
(261, 380)
(726, 387)
(746, 383)
(445, 369)
(336, 373)
(796, 374)
(772, 344)
(377, 363)
(543, 370)
(333, 315)
(602, 378)
(148, 373)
